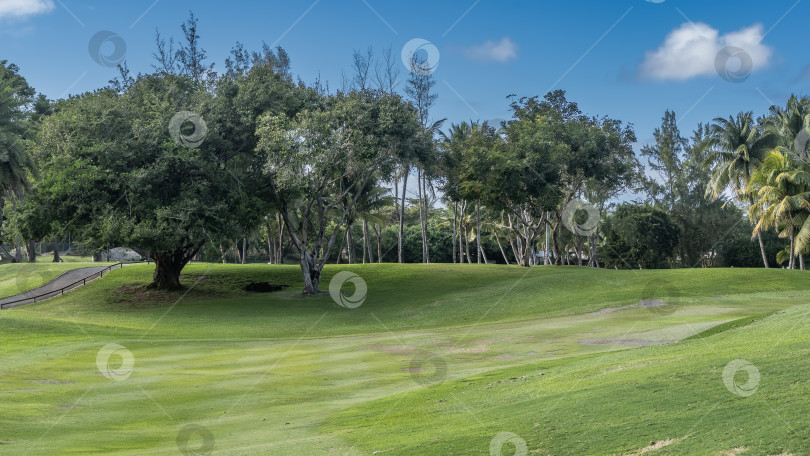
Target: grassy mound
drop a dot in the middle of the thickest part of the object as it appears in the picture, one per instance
(438, 359)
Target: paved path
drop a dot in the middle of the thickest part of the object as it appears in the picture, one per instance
(70, 279)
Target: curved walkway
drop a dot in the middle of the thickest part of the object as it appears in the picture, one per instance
(61, 284)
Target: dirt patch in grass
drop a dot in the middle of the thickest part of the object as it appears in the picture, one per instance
(394, 349)
(652, 303)
(648, 303)
(733, 451)
(633, 342)
(653, 446)
(141, 296)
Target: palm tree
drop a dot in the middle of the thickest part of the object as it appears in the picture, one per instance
(788, 123)
(15, 162)
(781, 185)
(736, 147)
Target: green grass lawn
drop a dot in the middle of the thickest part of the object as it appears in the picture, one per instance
(439, 359)
(17, 278)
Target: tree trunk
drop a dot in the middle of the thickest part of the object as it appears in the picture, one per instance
(546, 252)
(478, 229)
(801, 262)
(792, 262)
(244, 250)
(483, 254)
(237, 252)
(271, 248)
(461, 233)
(56, 258)
(378, 232)
(400, 247)
(350, 244)
(514, 250)
(467, 245)
(280, 252)
(421, 213)
(368, 252)
(311, 273)
(759, 238)
(498, 239)
(169, 265)
(167, 273)
(455, 216)
(31, 250)
(426, 241)
(555, 240)
(762, 249)
(96, 256)
(340, 249)
(222, 252)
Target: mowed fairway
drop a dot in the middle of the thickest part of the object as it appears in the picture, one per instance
(438, 360)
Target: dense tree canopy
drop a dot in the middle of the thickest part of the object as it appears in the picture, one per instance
(184, 162)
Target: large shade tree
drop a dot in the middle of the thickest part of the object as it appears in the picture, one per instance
(141, 187)
(321, 161)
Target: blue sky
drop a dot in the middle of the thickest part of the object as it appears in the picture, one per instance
(629, 59)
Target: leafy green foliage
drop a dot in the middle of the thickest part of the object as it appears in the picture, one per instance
(639, 237)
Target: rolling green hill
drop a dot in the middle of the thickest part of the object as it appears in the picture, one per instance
(438, 359)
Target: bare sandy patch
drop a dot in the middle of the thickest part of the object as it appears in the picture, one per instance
(632, 342)
(734, 451)
(653, 446)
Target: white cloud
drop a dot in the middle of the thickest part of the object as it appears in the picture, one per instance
(491, 51)
(690, 51)
(23, 8)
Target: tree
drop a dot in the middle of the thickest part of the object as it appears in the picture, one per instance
(421, 93)
(15, 162)
(582, 149)
(142, 188)
(641, 237)
(781, 185)
(319, 162)
(791, 125)
(665, 158)
(736, 147)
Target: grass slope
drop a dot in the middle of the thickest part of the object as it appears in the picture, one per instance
(618, 403)
(21, 277)
(408, 372)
